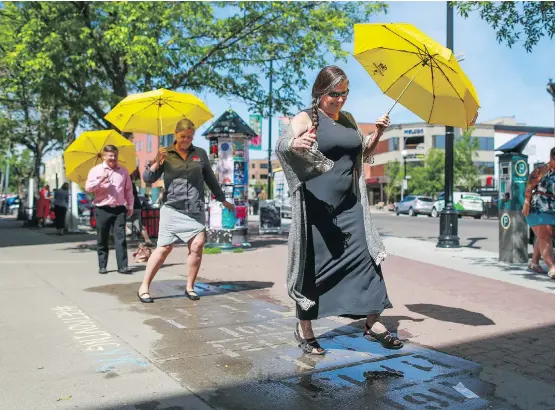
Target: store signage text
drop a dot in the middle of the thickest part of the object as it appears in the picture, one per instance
(415, 131)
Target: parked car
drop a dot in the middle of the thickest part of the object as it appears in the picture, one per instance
(13, 205)
(414, 205)
(465, 203)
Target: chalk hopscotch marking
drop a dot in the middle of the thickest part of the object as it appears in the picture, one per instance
(225, 351)
(232, 298)
(175, 324)
(230, 332)
(296, 362)
(184, 312)
(98, 343)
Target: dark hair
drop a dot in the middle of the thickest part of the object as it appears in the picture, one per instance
(65, 186)
(328, 78)
(552, 153)
(135, 175)
(110, 148)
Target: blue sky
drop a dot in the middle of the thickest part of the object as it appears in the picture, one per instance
(509, 81)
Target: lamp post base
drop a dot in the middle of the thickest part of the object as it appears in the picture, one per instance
(448, 237)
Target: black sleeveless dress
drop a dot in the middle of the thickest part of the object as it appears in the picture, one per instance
(340, 274)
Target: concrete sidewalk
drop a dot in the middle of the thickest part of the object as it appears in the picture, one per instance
(71, 338)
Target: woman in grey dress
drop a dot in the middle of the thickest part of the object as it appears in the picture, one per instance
(186, 170)
(339, 277)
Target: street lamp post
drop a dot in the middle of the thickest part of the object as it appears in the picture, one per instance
(404, 156)
(448, 237)
(269, 176)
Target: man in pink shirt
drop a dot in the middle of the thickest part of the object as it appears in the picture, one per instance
(111, 186)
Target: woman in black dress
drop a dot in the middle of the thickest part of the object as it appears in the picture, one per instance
(339, 275)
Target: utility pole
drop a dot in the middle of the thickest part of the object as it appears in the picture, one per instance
(269, 176)
(7, 172)
(448, 237)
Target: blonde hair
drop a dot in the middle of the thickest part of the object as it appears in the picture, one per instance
(184, 124)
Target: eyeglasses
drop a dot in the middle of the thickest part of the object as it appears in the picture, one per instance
(335, 94)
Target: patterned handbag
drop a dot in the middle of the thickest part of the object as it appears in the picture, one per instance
(142, 253)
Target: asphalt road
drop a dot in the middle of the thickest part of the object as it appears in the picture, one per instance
(476, 234)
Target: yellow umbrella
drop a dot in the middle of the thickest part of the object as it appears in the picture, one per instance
(86, 152)
(417, 72)
(157, 112)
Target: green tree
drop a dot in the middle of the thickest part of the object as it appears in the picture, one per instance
(513, 19)
(96, 53)
(466, 172)
(428, 179)
(394, 174)
(21, 166)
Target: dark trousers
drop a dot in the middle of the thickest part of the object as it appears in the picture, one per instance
(107, 217)
(60, 213)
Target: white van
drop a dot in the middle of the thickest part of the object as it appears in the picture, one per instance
(466, 203)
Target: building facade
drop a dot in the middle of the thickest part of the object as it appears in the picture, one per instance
(418, 138)
(258, 171)
(54, 172)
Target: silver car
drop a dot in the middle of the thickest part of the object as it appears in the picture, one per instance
(414, 205)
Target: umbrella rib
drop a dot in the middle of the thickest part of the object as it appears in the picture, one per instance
(449, 82)
(433, 94)
(401, 75)
(393, 49)
(399, 35)
(154, 102)
(446, 65)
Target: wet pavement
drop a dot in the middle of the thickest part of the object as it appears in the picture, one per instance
(235, 349)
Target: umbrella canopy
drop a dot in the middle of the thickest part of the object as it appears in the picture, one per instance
(86, 152)
(417, 72)
(157, 112)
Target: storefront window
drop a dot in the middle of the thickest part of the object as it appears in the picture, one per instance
(394, 144)
(439, 141)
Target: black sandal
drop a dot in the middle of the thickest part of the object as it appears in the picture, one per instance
(309, 346)
(191, 294)
(145, 300)
(386, 339)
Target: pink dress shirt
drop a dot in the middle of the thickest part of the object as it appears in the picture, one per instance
(115, 191)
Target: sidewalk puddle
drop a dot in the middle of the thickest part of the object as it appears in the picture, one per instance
(235, 349)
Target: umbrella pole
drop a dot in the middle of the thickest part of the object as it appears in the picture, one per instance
(406, 87)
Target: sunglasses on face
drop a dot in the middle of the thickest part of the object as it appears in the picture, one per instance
(335, 94)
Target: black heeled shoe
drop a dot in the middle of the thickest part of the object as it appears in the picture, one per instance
(191, 294)
(386, 339)
(145, 300)
(309, 346)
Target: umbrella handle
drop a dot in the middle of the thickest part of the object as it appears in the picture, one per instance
(406, 87)
(160, 128)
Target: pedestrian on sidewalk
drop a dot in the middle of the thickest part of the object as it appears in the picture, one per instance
(186, 169)
(61, 202)
(538, 210)
(334, 249)
(135, 218)
(43, 205)
(113, 201)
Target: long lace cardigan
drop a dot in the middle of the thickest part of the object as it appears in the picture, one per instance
(300, 167)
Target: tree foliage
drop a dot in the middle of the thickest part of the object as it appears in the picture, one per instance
(394, 175)
(466, 172)
(21, 167)
(96, 53)
(428, 179)
(514, 21)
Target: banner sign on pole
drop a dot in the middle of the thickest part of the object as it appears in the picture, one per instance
(283, 123)
(256, 124)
